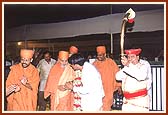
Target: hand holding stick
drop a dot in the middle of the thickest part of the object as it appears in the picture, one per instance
(124, 61)
(129, 15)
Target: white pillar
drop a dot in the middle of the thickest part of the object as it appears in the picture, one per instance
(111, 42)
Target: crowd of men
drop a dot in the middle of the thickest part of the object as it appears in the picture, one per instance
(71, 83)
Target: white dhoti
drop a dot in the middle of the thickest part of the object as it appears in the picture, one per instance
(138, 104)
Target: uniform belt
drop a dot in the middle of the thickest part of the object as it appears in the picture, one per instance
(142, 92)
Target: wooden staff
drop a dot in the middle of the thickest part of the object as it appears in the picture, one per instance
(129, 15)
(122, 36)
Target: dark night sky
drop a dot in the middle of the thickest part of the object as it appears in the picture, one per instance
(18, 15)
(21, 14)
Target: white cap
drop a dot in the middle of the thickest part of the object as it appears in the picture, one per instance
(131, 14)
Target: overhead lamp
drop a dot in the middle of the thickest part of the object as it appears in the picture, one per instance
(19, 43)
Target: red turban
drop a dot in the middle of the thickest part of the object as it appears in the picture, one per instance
(133, 51)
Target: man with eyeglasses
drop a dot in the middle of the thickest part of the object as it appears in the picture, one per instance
(107, 68)
(22, 84)
(61, 98)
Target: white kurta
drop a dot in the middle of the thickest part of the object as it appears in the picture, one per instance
(150, 79)
(91, 60)
(92, 91)
(131, 85)
(44, 69)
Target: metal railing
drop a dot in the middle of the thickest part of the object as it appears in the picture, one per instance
(158, 90)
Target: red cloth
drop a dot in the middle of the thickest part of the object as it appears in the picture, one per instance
(131, 20)
(128, 95)
(133, 51)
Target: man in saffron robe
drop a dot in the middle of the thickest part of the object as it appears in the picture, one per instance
(107, 68)
(61, 72)
(25, 78)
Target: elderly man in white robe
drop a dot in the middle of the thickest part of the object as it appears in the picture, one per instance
(135, 82)
(91, 92)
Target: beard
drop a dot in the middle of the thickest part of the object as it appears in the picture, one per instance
(24, 65)
(101, 59)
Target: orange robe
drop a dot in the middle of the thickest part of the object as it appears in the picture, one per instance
(25, 99)
(60, 100)
(108, 69)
